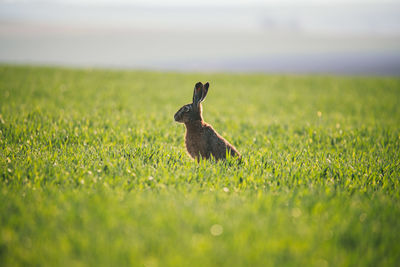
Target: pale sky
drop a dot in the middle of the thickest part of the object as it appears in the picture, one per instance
(204, 2)
(369, 17)
(333, 36)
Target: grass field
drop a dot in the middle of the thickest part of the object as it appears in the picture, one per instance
(94, 172)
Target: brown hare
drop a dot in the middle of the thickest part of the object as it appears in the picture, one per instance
(201, 139)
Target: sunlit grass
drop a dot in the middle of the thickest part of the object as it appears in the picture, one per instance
(94, 170)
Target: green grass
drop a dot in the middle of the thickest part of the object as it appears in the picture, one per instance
(94, 171)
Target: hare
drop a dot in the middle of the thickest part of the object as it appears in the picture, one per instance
(201, 139)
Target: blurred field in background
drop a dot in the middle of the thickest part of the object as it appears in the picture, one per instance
(94, 171)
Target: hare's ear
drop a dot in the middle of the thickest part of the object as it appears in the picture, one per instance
(205, 91)
(197, 93)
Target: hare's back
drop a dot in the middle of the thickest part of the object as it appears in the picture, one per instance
(217, 145)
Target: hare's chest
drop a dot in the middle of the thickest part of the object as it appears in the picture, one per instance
(195, 145)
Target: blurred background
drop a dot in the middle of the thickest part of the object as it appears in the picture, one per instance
(274, 36)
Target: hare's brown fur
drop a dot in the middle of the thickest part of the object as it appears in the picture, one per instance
(201, 139)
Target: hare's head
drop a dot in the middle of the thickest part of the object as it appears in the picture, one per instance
(192, 111)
